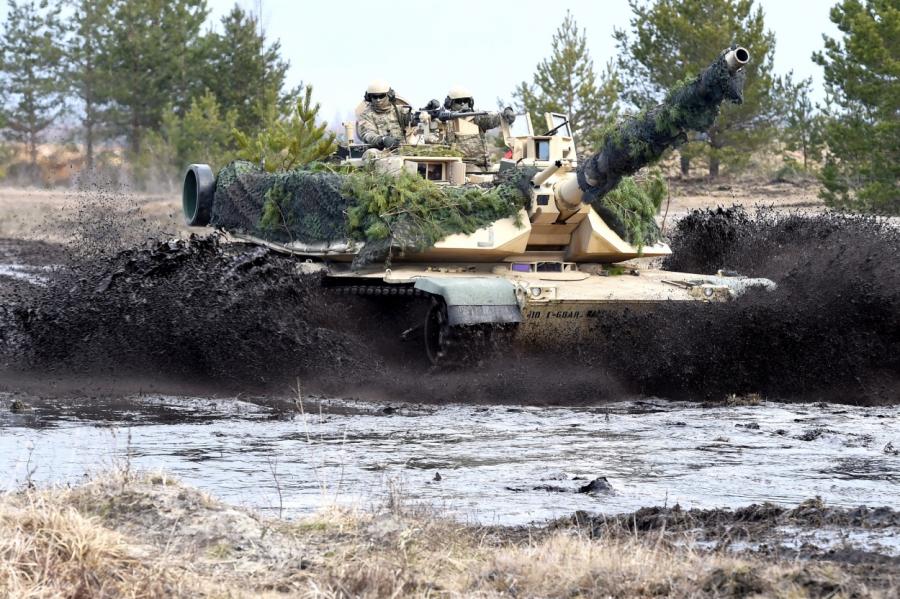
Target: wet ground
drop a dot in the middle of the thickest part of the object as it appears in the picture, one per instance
(29, 261)
(490, 464)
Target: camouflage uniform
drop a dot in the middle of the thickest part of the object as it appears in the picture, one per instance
(475, 147)
(374, 123)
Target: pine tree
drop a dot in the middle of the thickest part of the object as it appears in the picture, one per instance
(240, 54)
(673, 39)
(287, 139)
(153, 58)
(567, 82)
(862, 77)
(87, 81)
(204, 134)
(32, 75)
(800, 123)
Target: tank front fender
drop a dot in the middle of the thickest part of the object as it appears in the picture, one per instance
(474, 300)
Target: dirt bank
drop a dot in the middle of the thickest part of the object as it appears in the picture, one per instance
(812, 530)
(148, 536)
(687, 195)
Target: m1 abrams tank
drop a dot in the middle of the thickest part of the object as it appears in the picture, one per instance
(557, 265)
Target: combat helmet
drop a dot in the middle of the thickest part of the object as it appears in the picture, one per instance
(459, 94)
(377, 87)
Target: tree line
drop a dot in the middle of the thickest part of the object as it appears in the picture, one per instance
(851, 141)
(146, 75)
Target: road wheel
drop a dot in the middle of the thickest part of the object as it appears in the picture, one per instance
(454, 346)
(437, 333)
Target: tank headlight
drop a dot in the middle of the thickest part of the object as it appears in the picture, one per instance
(708, 291)
(536, 291)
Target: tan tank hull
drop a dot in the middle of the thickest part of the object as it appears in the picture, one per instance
(538, 306)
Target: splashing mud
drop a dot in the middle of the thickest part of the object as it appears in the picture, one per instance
(182, 309)
(220, 314)
(831, 329)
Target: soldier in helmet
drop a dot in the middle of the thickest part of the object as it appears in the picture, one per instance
(382, 124)
(475, 147)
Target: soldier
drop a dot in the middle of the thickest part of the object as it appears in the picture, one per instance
(475, 147)
(382, 124)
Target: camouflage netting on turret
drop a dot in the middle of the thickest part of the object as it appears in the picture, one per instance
(641, 140)
(400, 212)
(305, 206)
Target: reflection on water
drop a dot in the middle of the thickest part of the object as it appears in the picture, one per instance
(32, 274)
(497, 464)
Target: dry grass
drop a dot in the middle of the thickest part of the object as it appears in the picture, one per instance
(567, 565)
(151, 537)
(50, 549)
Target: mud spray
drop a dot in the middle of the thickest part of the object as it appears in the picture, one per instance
(222, 316)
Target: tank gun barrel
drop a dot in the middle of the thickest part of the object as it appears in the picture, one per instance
(642, 139)
(736, 58)
(538, 179)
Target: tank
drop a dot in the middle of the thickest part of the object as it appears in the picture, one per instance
(555, 266)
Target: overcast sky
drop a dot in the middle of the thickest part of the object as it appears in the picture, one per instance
(422, 48)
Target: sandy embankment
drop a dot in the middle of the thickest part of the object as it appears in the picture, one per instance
(149, 536)
(699, 194)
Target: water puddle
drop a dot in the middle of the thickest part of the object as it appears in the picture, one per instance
(885, 542)
(30, 274)
(490, 464)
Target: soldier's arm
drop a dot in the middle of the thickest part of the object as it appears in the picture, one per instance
(487, 121)
(367, 130)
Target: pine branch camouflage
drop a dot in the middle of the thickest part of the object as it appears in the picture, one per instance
(386, 212)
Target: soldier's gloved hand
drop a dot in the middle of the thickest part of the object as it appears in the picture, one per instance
(389, 143)
(432, 105)
(508, 115)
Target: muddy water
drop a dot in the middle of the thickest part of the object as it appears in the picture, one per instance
(31, 274)
(496, 464)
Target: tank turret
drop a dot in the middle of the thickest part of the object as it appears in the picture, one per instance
(563, 211)
(565, 189)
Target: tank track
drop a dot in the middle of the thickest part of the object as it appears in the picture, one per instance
(445, 346)
(375, 290)
(461, 346)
